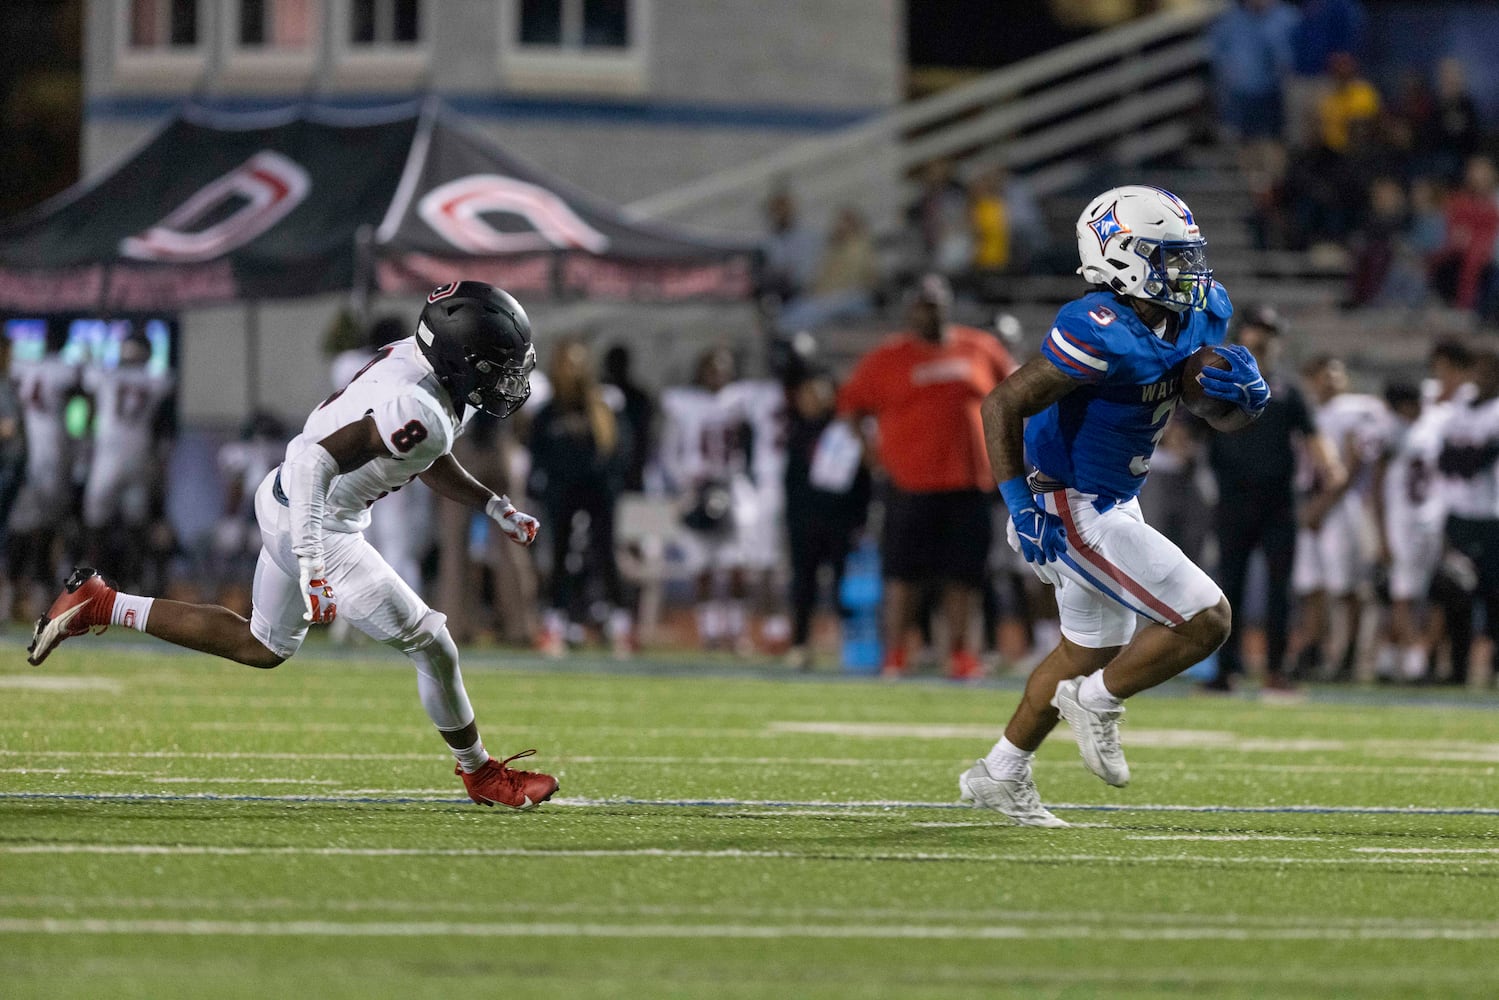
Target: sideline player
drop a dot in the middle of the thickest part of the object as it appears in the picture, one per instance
(1334, 551)
(702, 457)
(117, 495)
(1098, 399)
(39, 517)
(395, 422)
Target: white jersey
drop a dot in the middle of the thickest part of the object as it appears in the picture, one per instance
(700, 438)
(1358, 428)
(1470, 446)
(44, 388)
(760, 405)
(1412, 493)
(126, 401)
(416, 421)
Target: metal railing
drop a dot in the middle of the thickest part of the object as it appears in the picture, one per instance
(1119, 96)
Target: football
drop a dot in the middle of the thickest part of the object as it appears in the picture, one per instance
(1199, 402)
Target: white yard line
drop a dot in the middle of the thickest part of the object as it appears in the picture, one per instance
(192, 850)
(59, 683)
(1113, 917)
(322, 928)
(1219, 837)
(1474, 761)
(1426, 850)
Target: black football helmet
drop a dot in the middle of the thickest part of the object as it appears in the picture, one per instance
(478, 340)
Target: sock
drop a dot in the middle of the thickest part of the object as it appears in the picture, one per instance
(1095, 697)
(1007, 760)
(131, 611)
(733, 618)
(471, 758)
(710, 621)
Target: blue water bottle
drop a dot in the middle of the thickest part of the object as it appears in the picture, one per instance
(860, 595)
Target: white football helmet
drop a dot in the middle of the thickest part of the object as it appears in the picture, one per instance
(1143, 242)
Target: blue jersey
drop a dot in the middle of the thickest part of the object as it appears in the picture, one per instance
(1098, 438)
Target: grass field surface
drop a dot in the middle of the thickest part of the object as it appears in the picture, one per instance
(172, 826)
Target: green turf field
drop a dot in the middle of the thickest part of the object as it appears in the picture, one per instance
(172, 826)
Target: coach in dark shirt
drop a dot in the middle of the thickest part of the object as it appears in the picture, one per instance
(1256, 470)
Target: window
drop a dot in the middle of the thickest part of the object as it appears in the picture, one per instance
(163, 24)
(575, 24)
(579, 46)
(384, 22)
(276, 24)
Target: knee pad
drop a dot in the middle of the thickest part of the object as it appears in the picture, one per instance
(423, 634)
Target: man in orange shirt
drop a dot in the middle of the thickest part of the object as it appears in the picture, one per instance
(924, 388)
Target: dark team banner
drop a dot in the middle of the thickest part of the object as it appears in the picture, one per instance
(475, 211)
(209, 213)
(218, 209)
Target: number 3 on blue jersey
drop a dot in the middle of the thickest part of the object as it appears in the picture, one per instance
(1140, 464)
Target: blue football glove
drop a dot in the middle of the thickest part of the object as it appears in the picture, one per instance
(1240, 383)
(1042, 535)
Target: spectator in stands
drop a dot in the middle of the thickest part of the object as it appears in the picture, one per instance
(791, 251)
(989, 217)
(1388, 269)
(1252, 54)
(848, 278)
(923, 389)
(577, 470)
(1453, 132)
(1461, 269)
(941, 217)
(1350, 101)
(1469, 467)
(637, 412)
(826, 508)
(1327, 27)
(1256, 470)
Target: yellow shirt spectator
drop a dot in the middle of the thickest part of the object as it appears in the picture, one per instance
(991, 232)
(1351, 101)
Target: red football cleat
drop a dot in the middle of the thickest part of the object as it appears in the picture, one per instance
(86, 602)
(494, 782)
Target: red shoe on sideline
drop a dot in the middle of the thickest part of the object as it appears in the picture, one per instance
(964, 666)
(86, 602)
(494, 782)
(895, 665)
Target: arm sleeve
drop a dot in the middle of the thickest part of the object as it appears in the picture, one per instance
(306, 479)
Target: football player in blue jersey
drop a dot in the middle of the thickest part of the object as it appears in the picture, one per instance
(1087, 413)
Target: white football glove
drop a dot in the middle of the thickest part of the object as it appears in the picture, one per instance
(521, 528)
(317, 595)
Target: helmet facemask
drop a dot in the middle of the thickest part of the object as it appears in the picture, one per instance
(1179, 277)
(501, 388)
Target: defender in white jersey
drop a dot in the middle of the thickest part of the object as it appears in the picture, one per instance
(1335, 551)
(395, 422)
(760, 406)
(127, 400)
(702, 459)
(45, 500)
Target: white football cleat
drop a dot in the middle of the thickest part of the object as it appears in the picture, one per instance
(1017, 798)
(1097, 734)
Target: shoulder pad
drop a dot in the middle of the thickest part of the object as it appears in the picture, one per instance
(1219, 305)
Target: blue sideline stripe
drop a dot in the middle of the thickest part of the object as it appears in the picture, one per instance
(674, 114)
(736, 804)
